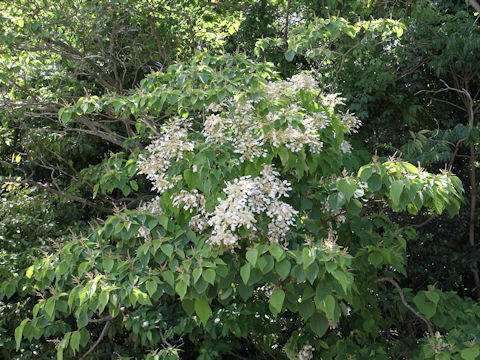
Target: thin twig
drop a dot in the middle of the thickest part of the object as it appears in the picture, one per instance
(407, 305)
(98, 340)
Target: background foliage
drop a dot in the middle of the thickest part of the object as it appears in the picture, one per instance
(283, 228)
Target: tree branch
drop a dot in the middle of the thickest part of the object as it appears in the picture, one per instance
(57, 192)
(407, 305)
(475, 4)
(102, 334)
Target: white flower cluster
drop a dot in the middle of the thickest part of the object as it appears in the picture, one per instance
(190, 201)
(306, 353)
(242, 126)
(346, 147)
(162, 151)
(332, 100)
(152, 207)
(351, 122)
(246, 199)
(303, 81)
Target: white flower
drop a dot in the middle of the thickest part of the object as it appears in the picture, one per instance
(247, 198)
(346, 147)
(306, 353)
(163, 150)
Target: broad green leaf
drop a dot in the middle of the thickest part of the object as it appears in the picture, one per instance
(277, 251)
(167, 249)
(283, 268)
(347, 187)
(151, 286)
(374, 183)
(108, 264)
(396, 189)
(306, 309)
(82, 319)
(329, 304)
(50, 307)
(196, 273)
(209, 276)
(336, 201)
(203, 310)
(319, 324)
(102, 301)
(375, 258)
(252, 256)
(245, 273)
(289, 55)
(181, 289)
(75, 341)
(29, 272)
(276, 300)
(470, 353)
(169, 277)
(19, 333)
(308, 256)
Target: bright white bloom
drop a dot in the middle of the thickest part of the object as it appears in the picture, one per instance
(351, 122)
(163, 150)
(346, 147)
(152, 207)
(306, 353)
(190, 201)
(198, 223)
(246, 199)
(304, 81)
(332, 100)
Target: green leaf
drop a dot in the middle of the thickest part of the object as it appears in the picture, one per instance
(196, 273)
(245, 273)
(19, 333)
(209, 276)
(306, 309)
(169, 277)
(347, 188)
(396, 191)
(289, 55)
(277, 251)
(245, 291)
(60, 352)
(374, 183)
(181, 289)
(329, 303)
(319, 324)
(29, 272)
(102, 301)
(308, 256)
(276, 301)
(151, 286)
(108, 264)
(375, 259)
(167, 249)
(75, 341)
(82, 319)
(470, 353)
(202, 308)
(252, 256)
(432, 296)
(50, 307)
(312, 272)
(163, 220)
(283, 268)
(336, 201)
(365, 172)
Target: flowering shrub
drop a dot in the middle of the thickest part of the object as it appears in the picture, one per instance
(257, 240)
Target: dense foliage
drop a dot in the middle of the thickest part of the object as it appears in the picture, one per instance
(245, 179)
